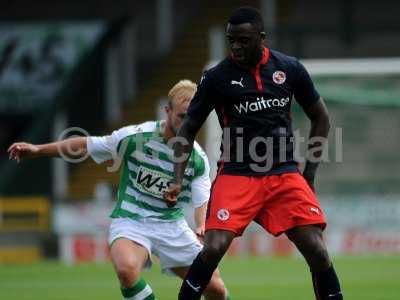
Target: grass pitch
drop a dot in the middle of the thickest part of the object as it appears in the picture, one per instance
(363, 278)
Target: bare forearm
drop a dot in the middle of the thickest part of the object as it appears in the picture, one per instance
(200, 215)
(317, 139)
(319, 117)
(183, 148)
(73, 147)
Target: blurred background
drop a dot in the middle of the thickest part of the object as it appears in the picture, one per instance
(100, 65)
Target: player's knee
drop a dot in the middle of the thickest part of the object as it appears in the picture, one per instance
(128, 274)
(322, 255)
(216, 289)
(213, 253)
(318, 257)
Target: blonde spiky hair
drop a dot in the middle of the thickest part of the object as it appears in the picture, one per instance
(183, 90)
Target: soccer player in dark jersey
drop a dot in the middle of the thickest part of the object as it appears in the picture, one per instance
(258, 178)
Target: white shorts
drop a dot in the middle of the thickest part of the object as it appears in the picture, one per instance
(174, 243)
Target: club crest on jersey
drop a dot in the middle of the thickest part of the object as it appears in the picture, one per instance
(223, 214)
(279, 77)
(151, 182)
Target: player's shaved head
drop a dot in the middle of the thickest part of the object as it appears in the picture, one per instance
(247, 14)
(183, 91)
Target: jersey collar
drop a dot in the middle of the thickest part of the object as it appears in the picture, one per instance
(263, 61)
(264, 58)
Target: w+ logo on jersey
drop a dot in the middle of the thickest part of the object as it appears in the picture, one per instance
(152, 182)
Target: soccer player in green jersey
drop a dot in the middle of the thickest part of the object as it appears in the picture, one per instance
(142, 223)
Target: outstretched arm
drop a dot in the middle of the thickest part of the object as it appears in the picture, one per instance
(319, 117)
(73, 147)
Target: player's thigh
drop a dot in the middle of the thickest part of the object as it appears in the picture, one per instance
(130, 245)
(234, 202)
(217, 242)
(307, 238)
(292, 203)
(176, 245)
(126, 254)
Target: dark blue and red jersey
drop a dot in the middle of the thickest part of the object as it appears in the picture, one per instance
(254, 109)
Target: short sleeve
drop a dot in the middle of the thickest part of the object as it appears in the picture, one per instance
(103, 148)
(201, 185)
(304, 90)
(202, 103)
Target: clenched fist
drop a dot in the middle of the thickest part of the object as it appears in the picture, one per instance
(171, 195)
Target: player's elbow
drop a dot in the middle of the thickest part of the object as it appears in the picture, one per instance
(77, 147)
(322, 121)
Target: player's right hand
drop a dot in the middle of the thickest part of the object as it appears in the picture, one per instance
(18, 151)
(171, 194)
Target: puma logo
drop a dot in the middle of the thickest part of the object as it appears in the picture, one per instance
(233, 82)
(316, 210)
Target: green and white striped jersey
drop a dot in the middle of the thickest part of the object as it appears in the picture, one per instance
(146, 169)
